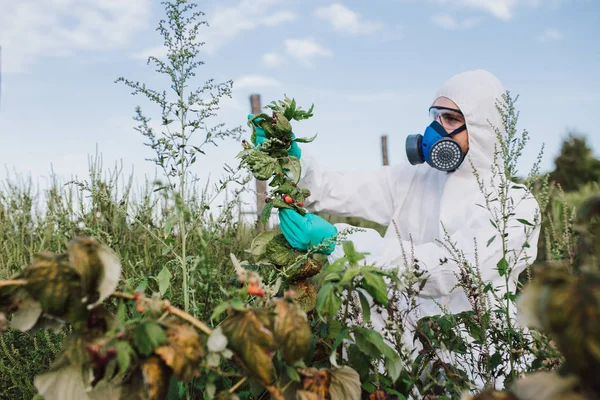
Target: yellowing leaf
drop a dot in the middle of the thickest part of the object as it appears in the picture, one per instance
(252, 342)
(291, 330)
(183, 351)
(156, 376)
(305, 294)
(315, 381)
(52, 282)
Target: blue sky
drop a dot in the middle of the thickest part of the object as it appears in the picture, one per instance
(370, 67)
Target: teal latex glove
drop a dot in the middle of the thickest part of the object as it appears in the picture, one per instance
(305, 232)
(261, 137)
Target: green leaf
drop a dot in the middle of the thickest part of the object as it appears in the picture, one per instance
(349, 275)
(121, 312)
(328, 301)
(524, 222)
(164, 280)
(393, 366)
(491, 240)
(220, 309)
(375, 286)
(350, 252)
(502, 266)
(364, 304)
(260, 242)
(293, 168)
(169, 224)
(282, 123)
(147, 336)
(369, 342)
(265, 214)
(124, 353)
(305, 140)
(292, 373)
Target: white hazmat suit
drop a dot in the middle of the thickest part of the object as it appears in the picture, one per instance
(420, 200)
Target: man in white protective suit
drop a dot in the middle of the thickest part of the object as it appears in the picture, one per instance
(436, 189)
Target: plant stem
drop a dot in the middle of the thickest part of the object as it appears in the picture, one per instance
(172, 310)
(15, 282)
(238, 384)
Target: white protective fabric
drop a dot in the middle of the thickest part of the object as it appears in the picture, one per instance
(419, 199)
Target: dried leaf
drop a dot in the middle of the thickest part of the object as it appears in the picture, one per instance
(291, 330)
(183, 351)
(305, 294)
(97, 265)
(315, 381)
(156, 376)
(252, 342)
(56, 285)
(345, 384)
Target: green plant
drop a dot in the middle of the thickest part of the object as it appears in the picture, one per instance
(182, 119)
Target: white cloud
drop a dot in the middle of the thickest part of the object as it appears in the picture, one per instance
(305, 50)
(551, 35)
(344, 20)
(226, 23)
(255, 82)
(501, 9)
(447, 21)
(30, 29)
(273, 60)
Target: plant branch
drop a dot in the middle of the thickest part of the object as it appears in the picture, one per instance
(172, 310)
(14, 282)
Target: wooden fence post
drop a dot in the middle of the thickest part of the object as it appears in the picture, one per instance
(384, 150)
(261, 186)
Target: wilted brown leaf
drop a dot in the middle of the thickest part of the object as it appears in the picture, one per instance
(156, 377)
(379, 394)
(56, 285)
(252, 342)
(305, 294)
(184, 350)
(97, 265)
(315, 381)
(291, 330)
(309, 268)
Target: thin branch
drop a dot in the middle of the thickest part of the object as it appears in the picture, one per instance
(238, 384)
(173, 310)
(14, 282)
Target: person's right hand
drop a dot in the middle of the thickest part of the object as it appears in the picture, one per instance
(261, 137)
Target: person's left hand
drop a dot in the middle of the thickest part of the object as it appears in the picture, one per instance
(305, 232)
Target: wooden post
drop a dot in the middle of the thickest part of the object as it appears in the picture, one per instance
(384, 150)
(261, 186)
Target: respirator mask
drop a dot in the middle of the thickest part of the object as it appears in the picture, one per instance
(436, 146)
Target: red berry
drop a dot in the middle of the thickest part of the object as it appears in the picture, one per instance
(121, 335)
(137, 296)
(301, 204)
(255, 290)
(288, 200)
(140, 308)
(267, 200)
